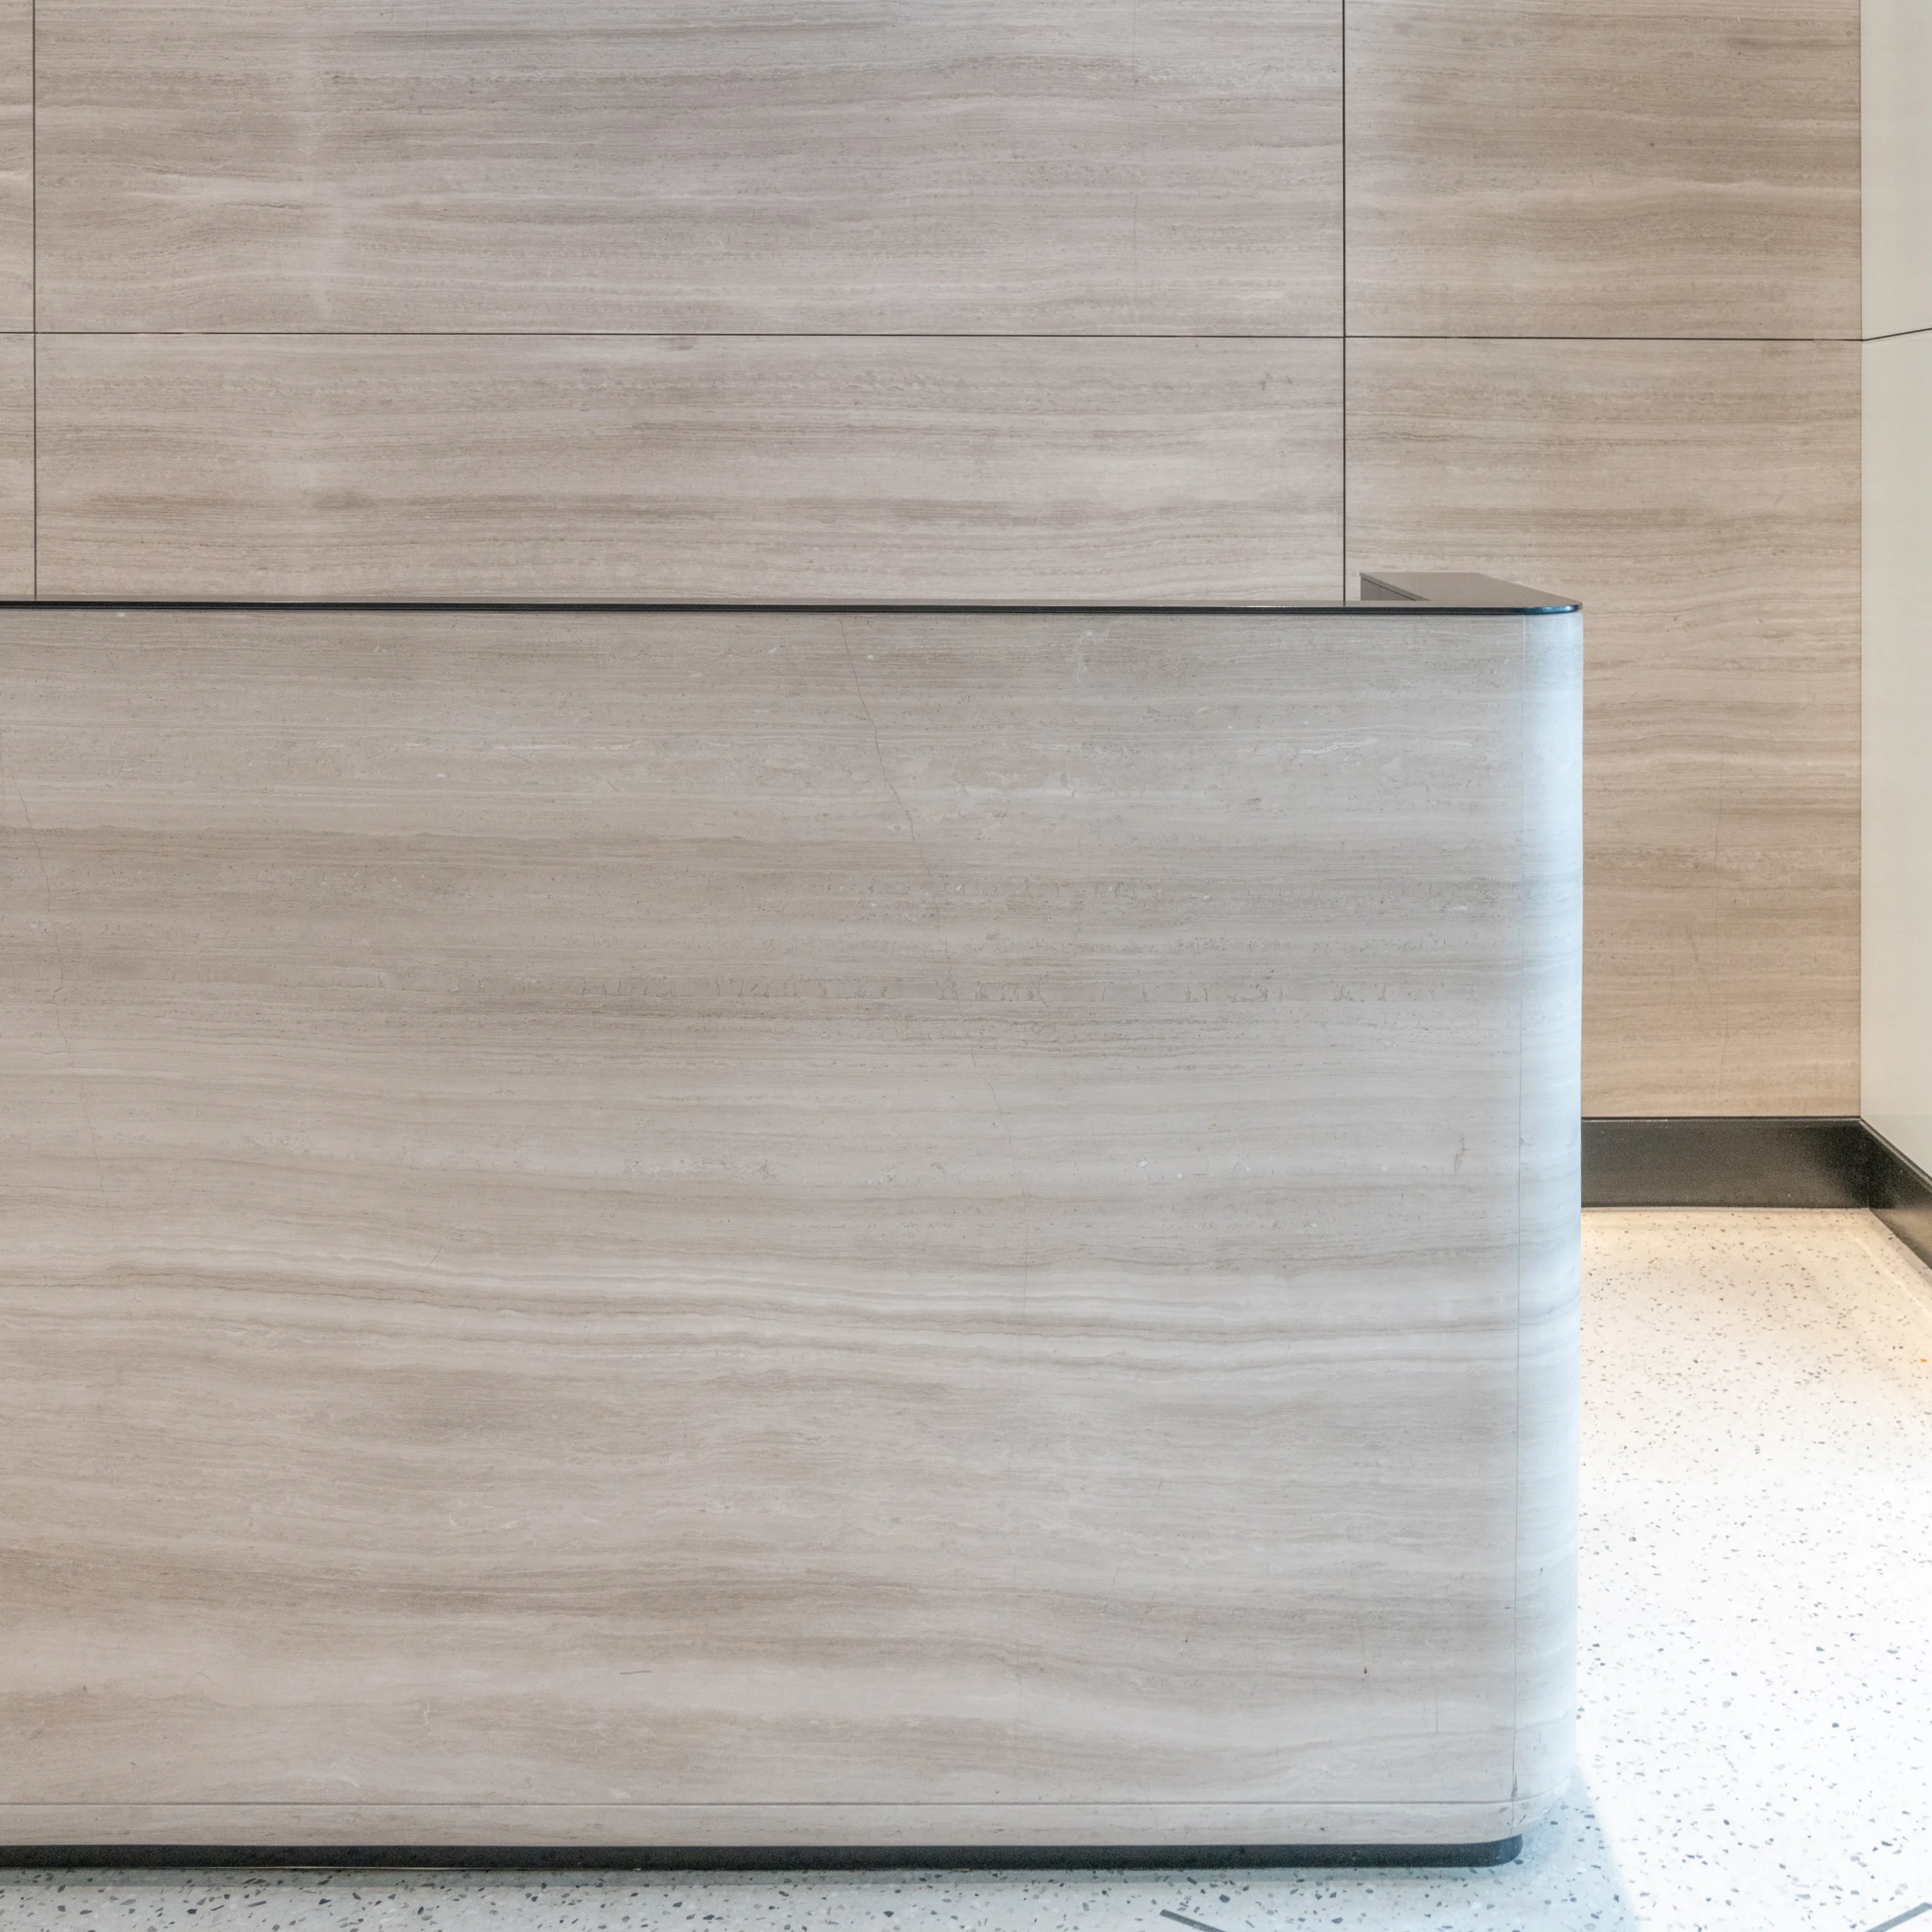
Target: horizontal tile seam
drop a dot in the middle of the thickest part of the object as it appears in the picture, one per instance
(862, 335)
(670, 335)
(1357, 335)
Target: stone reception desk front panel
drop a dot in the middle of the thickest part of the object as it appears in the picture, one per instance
(787, 1227)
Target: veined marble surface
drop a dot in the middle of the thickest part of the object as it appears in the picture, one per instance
(16, 164)
(937, 166)
(1757, 1453)
(735, 469)
(16, 466)
(1722, 707)
(1571, 167)
(746, 1228)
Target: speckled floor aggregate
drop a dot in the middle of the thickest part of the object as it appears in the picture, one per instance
(1756, 1699)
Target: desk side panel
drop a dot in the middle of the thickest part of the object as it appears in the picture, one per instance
(1547, 1393)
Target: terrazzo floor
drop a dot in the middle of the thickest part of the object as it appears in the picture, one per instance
(1757, 1684)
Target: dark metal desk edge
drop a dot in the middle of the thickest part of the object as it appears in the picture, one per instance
(1369, 608)
(745, 1858)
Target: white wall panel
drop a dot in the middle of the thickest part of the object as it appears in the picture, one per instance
(1897, 916)
(1897, 134)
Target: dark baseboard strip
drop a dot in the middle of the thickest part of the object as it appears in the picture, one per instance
(1901, 1195)
(1754, 1161)
(1719, 1161)
(743, 1858)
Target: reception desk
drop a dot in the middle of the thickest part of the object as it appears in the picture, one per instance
(881, 1232)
